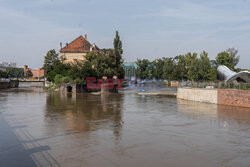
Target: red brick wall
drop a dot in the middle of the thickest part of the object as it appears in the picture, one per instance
(234, 97)
(38, 73)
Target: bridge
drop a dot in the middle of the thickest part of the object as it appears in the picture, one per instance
(31, 83)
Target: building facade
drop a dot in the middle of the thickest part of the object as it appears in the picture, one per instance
(4, 65)
(37, 73)
(77, 50)
(130, 70)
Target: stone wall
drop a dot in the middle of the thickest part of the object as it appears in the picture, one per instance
(196, 94)
(31, 84)
(234, 97)
(73, 88)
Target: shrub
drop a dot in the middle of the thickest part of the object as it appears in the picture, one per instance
(65, 79)
(78, 81)
(58, 79)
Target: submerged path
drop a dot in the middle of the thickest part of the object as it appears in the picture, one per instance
(12, 152)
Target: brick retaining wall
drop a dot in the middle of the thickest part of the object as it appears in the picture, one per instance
(234, 97)
(231, 97)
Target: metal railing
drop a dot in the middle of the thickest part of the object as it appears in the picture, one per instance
(215, 85)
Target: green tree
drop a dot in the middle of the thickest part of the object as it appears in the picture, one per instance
(15, 72)
(66, 79)
(142, 69)
(3, 74)
(58, 79)
(228, 58)
(117, 43)
(213, 74)
(193, 66)
(117, 62)
(29, 74)
(205, 68)
(104, 64)
(169, 69)
(158, 65)
(233, 56)
(50, 60)
(181, 69)
(53, 65)
(150, 70)
(80, 70)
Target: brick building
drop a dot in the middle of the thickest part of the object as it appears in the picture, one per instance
(37, 73)
(77, 50)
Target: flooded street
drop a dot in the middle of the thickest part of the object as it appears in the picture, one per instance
(120, 130)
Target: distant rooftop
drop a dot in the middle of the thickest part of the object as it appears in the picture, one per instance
(80, 45)
(7, 64)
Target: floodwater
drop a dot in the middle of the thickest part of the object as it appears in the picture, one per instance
(119, 130)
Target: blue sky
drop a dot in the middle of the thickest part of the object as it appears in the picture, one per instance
(148, 29)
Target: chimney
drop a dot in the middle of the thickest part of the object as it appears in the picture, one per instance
(85, 36)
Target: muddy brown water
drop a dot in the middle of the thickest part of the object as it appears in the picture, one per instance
(38, 128)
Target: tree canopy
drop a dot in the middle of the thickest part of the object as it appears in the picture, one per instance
(190, 66)
(116, 56)
(15, 72)
(53, 65)
(228, 58)
(29, 74)
(3, 74)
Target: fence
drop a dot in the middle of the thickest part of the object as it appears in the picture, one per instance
(217, 85)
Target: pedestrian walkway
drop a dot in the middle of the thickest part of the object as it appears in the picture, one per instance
(12, 152)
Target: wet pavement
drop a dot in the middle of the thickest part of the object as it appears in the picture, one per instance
(10, 147)
(120, 130)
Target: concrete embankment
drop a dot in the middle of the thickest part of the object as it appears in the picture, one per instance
(196, 94)
(4, 85)
(31, 83)
(8, 84)
(232, 97)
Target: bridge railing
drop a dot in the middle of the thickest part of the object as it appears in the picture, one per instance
(4, 80)
(31, 79)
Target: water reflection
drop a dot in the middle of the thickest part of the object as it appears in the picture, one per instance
(197, 108)
(239, 115)
(84, 112)
(224, 113)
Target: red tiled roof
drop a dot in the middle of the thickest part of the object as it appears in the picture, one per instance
(80, 44)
